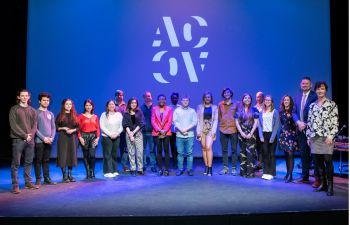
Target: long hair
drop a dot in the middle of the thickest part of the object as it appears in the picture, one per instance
(73, 112)
(272, 104)
(106, 109)
(129, 104)
(291, 105)
(92, 103)
(249, 114)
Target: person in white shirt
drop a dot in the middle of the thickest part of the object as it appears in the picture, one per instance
(111, 127)
(184, 119)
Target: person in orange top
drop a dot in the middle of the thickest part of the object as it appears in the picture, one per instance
(162, 117)
(89, 134)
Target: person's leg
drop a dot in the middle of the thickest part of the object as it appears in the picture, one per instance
(265, 153)
(329, 171)
(209, 147)
(145, 141)
(243, 157)
(131, 151)
(107, 157)
(204, 152)
(166, 151)
(234, 140)
(189, 155)
(180, 143)
(304, 155)
(114, 156)
(46, 164)
(224, 138)
(139, 151)
(38, 161)
(272, 151)
(28, 160)
(250, 151)
(319, 160)
(159, 154)
(123, 152)
(173, 149)
(17, 149)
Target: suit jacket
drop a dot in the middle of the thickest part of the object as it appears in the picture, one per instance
(159, 124)
(296, 109)
(214, 118)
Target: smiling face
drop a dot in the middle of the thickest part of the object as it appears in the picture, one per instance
(147, 97)
(227, 95)
(185, 102)
(305, 85)
(267, 102)
(23, 97)
(259, 97)
(68, 106)
(207, 99)
(111, 106)
(88, 107)
(161, 101)
(286, 102)
(247, 100)
(133, 105)
(321, 91)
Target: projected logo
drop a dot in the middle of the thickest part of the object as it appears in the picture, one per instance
(174, 43)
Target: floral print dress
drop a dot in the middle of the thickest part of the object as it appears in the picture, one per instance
(288, 136)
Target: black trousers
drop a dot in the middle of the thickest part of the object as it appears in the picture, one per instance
(162, 143)
(42, 160)
(110, 154)
(173, 149)
(269, 154)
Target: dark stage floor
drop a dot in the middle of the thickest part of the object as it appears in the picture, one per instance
(150, 195)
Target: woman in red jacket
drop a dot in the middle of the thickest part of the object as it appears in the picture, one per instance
(162, 117)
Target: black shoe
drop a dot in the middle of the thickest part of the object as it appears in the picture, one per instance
(290, 179)
(179, 172)
(206, 171)
(141, 173)
(286, 177)
(166, 173)
(190, 173)
(70, 177)
(133, 173)
(48, 181)
(330, 191)
(160, 172)
(210, 171)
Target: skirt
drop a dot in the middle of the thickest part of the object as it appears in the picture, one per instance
(318, 146)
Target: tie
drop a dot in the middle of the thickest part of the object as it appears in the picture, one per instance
(303, 99)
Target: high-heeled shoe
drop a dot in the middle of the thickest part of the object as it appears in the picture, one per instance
(206, 171)
(210, 171)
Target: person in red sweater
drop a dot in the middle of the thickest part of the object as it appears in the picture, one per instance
(89, 134)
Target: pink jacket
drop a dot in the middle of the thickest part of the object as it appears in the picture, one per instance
(159, 124)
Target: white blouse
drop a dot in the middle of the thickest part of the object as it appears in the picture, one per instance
(112, 124)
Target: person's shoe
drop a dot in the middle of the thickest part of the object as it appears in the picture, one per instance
(15, 189)
(48, 181)
(269, 177)
(258, 167)
(141, 173)
(210, 171)
(38, 183)
(330, 191)
(190, 172)
(153, 169)
(290, 179)
(166, 173)
(286, 177)
(316, 184)
(31, 186)
(302, 181)
(70, 177)
(234, 172)
(251, 175)
(115, 174)
(126, 169)
(223, 171)
(108, 175)
(179, 172)
(206, 171)
(160, 172)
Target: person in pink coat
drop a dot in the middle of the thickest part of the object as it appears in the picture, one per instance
(162, 117)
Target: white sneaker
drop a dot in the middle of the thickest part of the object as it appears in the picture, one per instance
(115, 174)
(269, 177)
(264, 176)
(108, 175)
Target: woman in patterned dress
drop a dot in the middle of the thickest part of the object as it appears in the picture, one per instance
(288, 136)
(322, 127)
(247, 122)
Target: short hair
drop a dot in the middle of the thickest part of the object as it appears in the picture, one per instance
(211, 96)
(144, 94)
(174, 94)
(185, 96)
(226, 89)
(319, 84)
(44, 94)
(161, 95)
(306, 78)
(91, 102)
(118, 92)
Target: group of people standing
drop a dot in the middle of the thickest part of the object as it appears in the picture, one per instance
(309, 121)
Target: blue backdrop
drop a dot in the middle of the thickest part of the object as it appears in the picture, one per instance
(89, 48)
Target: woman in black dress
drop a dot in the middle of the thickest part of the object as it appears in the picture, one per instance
(288, 136)
(67, 126)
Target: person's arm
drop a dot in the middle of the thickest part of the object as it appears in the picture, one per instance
(194, 121)
(334, 123)
(260, 127)
(215, 121)
(199, 122)
(16, 129)
(103, 124)
(240, 129)
(169, 120)
(155, 126)
(276, 124)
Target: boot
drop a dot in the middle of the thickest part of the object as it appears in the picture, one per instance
(206, 170)
(210, 171)
(92, 168)
(323, 185)
(330, 191)
(70, 177)
(64, 175)
(87, 168)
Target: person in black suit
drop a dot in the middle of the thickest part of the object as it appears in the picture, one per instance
(300, 114)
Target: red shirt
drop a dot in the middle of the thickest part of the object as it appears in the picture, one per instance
(88, 125)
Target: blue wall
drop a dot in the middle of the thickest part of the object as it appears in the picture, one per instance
(89, 48)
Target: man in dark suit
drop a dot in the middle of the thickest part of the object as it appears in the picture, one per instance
(300, 114)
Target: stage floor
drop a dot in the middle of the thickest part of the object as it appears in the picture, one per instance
(151, 195)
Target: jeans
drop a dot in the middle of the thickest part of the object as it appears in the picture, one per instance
(20, 146)
(42, 159)
(148, 138)
(224, 139)
(184, 144)
(110, 154)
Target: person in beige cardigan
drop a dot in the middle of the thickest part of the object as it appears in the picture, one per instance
(207, 115)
